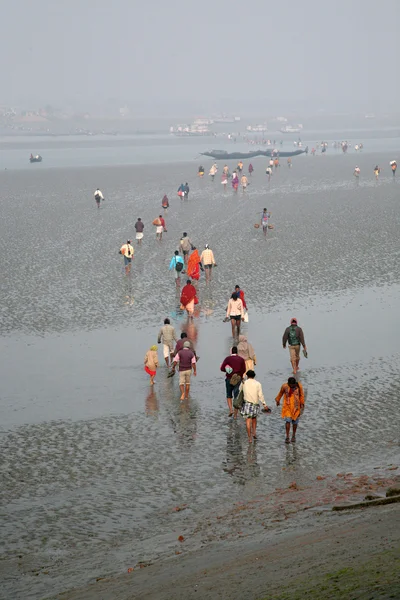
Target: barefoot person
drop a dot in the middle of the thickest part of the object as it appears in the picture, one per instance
(246, 351)
(151, 363)
(294, 336)
(265, 217)
(187, 363)
(240, 293)
(188, 298)
(253, 396)
(176, 265)
(194, 265)
(167, 336)
(186, 245)
(98, 196)
(234, 368)
(165, 202)
(160, 226)
(293, 406)
(127, 252)
(208, 261)
(235, 312)
(139, 230)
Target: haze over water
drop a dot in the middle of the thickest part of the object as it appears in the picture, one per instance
(93, 459)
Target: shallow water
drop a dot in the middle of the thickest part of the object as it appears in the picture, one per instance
(93, 461)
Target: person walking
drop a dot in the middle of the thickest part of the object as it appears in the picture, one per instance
(292, 407)
(294, 336)
(194, 265)
(179, 345)
(240, 293)
(208, 261)
(181, 191)
(246, 351)
(177, 265)
(268, 172)
(167, 336)
(151, 363)
(244, 182)
(265, 217)
(127, 252)
(98, 196)
(235, 181)
(252, 397)
(393, 166)
(235, 312)
(139, 230)
(213, 171)
(185, 245)
(189, 298)
(165, 202)
(234, 368)
(251, 169)
(186, 191)
(187, 364)
(160, 227)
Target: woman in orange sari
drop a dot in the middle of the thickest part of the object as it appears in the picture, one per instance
(189, 298)
(293, 405)
(194, 265)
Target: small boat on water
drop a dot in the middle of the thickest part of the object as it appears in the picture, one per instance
(223, 155)
(34, 159)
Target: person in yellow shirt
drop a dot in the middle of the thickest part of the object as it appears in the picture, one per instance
(127, 252)
(292, 407)
(208, 261)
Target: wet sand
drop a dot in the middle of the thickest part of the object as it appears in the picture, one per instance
(93, 461)
(356, 556)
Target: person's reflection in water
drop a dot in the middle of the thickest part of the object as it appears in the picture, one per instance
(292, 457)
(151, 403)
(234, 462)
(128, 293)
(183, 419)
(253, 469)
(192, 331)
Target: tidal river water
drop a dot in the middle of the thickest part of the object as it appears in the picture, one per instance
(93, 461)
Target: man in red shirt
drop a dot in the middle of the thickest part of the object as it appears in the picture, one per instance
(241, 295)
(234, 367)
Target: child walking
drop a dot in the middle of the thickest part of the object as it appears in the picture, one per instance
(151, 363)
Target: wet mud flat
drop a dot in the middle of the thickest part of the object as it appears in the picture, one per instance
(355, 556)
(101, 473)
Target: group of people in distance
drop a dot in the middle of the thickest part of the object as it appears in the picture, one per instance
(244, 393)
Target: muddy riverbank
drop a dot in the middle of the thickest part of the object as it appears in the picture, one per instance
(99, 472)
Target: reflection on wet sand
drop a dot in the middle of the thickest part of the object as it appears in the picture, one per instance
(75, 398)
(152, 406)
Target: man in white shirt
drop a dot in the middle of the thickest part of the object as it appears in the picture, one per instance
(253, 396)
(98, 196)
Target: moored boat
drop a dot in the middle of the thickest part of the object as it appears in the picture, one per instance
(34, 159)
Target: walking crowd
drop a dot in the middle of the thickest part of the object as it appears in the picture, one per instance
(244, 394)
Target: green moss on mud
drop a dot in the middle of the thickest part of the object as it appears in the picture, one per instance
(377, 579)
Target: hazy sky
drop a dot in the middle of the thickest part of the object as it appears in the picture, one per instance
(339, 54)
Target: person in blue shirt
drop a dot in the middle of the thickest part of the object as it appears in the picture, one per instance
(177, 265)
